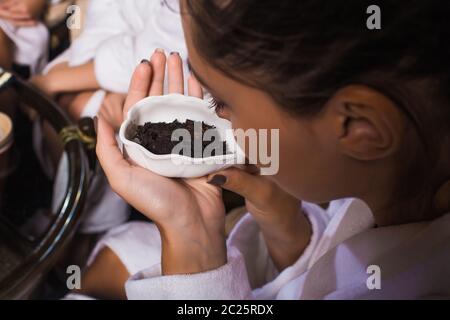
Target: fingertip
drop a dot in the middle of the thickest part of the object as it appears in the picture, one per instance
(194, 87)
(144, 68)
(158, 53)
(217, 180)
(158, 61)
(174, 59)
(158, 58)
(175, 73)
(141, 76)
(139, 84)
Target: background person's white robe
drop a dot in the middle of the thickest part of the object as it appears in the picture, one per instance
(118, 34)
(30, 45)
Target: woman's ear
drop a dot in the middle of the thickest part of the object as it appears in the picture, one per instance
(368, 125)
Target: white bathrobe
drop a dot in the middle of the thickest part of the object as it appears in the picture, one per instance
(118, 34)
(30, 44)
(347, 258)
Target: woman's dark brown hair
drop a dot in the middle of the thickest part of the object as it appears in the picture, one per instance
(301, 52)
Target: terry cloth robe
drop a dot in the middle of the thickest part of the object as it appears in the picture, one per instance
(347, 258)
(118, 34)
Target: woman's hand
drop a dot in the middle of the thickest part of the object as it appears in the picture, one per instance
(22, 13)
(189, 213)
(286, 229)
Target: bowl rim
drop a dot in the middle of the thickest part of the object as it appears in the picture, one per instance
(143, 104)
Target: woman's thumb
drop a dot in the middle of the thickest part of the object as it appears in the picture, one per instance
(239, 181)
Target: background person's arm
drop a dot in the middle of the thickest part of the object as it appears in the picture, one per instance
(68, 79)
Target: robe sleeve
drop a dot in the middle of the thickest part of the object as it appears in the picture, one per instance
(229, 282)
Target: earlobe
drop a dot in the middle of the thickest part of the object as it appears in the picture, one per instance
(370, 127)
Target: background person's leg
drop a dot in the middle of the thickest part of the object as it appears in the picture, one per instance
(105, 278)
(74, 104)
(123, 251)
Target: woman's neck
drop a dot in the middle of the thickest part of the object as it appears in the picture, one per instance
(397, 211)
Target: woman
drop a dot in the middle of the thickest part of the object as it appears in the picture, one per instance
(353, 107)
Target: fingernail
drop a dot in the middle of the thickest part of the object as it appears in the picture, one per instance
(145, 61)
(159, 50)
(174, 53)
(96, 125)
(218, 180)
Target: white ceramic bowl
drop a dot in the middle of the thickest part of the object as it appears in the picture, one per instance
(167, 109)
